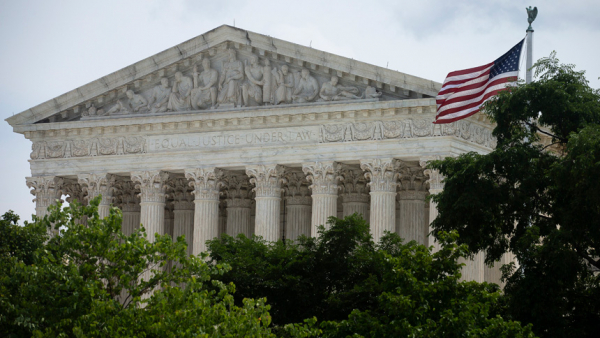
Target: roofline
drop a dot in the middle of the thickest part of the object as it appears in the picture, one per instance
(203, 42)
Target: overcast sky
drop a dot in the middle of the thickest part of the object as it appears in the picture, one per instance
(51, 47)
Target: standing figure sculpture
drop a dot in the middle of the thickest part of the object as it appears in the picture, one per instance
(180, 94)
(160, 97)
(285, 85)
(307, 88)
(531, 15)
(254, 81)
(205, 94)
(229, 83)
(268, 83)
(332, 91)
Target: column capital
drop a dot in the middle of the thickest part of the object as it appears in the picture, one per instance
(296, 189)
(435, 179)
(98, 184)
(324, 176)
(354, 188)
(73, 190)
(46, 189)
(206, 182)
(152, 185)
(181, 192)
(412, 177)
(128, 196)
(382, 173)
(267, 179)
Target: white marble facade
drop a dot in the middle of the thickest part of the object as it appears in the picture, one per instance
(240, 133)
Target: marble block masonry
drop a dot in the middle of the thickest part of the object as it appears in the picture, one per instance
(238, 132)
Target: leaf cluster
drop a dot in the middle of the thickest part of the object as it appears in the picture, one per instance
(538, 202)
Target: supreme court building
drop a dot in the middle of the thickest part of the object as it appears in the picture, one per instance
(237, 132)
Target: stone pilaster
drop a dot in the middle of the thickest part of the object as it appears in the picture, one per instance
(129, 201)
(355, 193)
(413, 191)
(238, 201)
(47, 191)
(267, 180)
(324, 177)
(152, 186)
(206, 183)
(183, 210)
(298, 206)
(99, 184)
(383, 176)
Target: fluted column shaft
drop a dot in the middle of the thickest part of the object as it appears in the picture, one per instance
(324, 177)
(238, 217)
(183, 222)
(152, 186)
(131, 219)
(206, 183)
(412, 211)
(358, 204)
(383, 176)
(298, 217)
(267, 180)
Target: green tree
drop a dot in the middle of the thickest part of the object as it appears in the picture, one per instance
(540, 202)
(357, 288)
(89, 282)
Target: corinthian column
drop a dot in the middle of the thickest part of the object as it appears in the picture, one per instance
(383, 176)
(324, 177)
(152, 186)
(47, 191)
(99, 184)
(267, 180)
(183, 210)
(298, 206)
(355, 193)
(436, 185)
(237, 192)
(129, 200)
(206, 183)
(412, 203)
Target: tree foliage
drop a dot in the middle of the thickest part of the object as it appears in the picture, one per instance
(540, 202)
(90, 282)
(359, 288)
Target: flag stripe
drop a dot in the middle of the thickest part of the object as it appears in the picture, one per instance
(464, 91)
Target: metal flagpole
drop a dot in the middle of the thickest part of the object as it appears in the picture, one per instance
(531, 15)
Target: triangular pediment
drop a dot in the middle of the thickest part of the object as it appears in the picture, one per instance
(140, 89)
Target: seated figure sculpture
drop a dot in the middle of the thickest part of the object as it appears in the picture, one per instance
(159, 97)
(180, 94)
(332, 91)
(307, 88)
(204, 93)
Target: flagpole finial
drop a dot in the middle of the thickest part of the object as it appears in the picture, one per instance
(531, 15)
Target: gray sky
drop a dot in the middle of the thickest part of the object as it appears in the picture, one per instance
(51, 47)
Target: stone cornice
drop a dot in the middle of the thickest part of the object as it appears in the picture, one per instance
(236, 116)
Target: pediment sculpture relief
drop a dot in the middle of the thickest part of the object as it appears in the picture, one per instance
(250, 81)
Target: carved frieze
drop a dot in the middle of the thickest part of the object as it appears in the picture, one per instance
(88, 147)
(409, 128)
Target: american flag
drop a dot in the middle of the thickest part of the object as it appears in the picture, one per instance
(464, 91)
